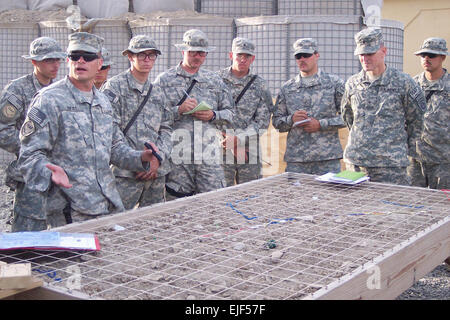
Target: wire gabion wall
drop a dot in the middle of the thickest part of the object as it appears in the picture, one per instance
(251, 8)
(168, 32)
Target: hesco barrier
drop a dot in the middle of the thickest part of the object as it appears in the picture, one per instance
(249, 8)
(273, 36)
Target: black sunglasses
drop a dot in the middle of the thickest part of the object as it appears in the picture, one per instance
(104, 67)
(303, 55)
(429, 55)
(88, 57)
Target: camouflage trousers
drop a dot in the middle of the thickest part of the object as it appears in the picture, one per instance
(392, 175)
(29, 211)
(236, 173)
(189, 179)
(136, 193)
(315, 167)
(432, 175)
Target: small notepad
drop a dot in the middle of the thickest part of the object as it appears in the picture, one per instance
(202, 106)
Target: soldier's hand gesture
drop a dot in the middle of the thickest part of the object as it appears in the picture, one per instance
(59, 176)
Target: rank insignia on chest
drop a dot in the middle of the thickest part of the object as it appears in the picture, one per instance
(28, 128)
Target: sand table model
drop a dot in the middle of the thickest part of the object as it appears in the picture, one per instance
(284, 237)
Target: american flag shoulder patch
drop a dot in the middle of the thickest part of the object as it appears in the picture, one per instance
(37, 116)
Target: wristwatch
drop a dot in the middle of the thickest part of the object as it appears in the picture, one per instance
(213, 117)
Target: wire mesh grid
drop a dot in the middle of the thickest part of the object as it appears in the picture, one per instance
(320, 7)
(282, 237)
(237, 8)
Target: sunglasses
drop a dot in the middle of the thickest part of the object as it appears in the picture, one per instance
(303, 55)
(88, 57)
(429, 55)
(104, 67)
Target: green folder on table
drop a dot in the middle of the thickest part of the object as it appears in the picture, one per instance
(202, 106)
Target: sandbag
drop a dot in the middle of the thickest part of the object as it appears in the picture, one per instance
(103, 8)
(11, 5)
(145, 6)
(44, 5)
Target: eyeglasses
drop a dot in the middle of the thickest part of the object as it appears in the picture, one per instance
(142, 56)
(200, 53)
(429, 55)
(104, 67)
(88, 57)
(298, 56)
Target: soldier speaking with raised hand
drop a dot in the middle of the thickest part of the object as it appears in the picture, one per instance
(70, 137)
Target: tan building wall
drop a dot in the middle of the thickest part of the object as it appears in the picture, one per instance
(421, 19)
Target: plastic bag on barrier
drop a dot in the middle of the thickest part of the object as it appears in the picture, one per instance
(11, 5)
(43, 5)
(103, 8)
(145, 6)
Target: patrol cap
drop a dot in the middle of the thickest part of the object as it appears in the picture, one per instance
(107, 61)
(84, 41)
(195, 40)
(243, 45)
(141, 43)
(433, 45)
(305, 45)
(45, 48)
(368, 41)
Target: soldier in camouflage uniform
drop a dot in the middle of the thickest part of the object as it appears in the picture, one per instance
(45, 55)
(431, 168)
(252, 115)
(102, 74)
(383, 108)
(197, 153)
(70, 137)
(126, 92)
(312, 146)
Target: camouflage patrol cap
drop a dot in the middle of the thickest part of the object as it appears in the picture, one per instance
(368, 41)
(141, 43)
(45, 48)
(243, 45)
(305, 45)
(84, 41)
(433, 45)
(107, 61)
(195, 40)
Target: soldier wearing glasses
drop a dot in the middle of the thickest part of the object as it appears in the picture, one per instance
(383, 109)
(308, 107)
(431, 167)
(196, 156)
(153, 123)
(45, 55)
(70, 137)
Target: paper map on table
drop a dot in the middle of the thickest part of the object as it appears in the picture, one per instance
(42, 240)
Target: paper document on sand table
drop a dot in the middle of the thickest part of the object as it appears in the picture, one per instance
(344, 177)
(48, 241)
(202, 106)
